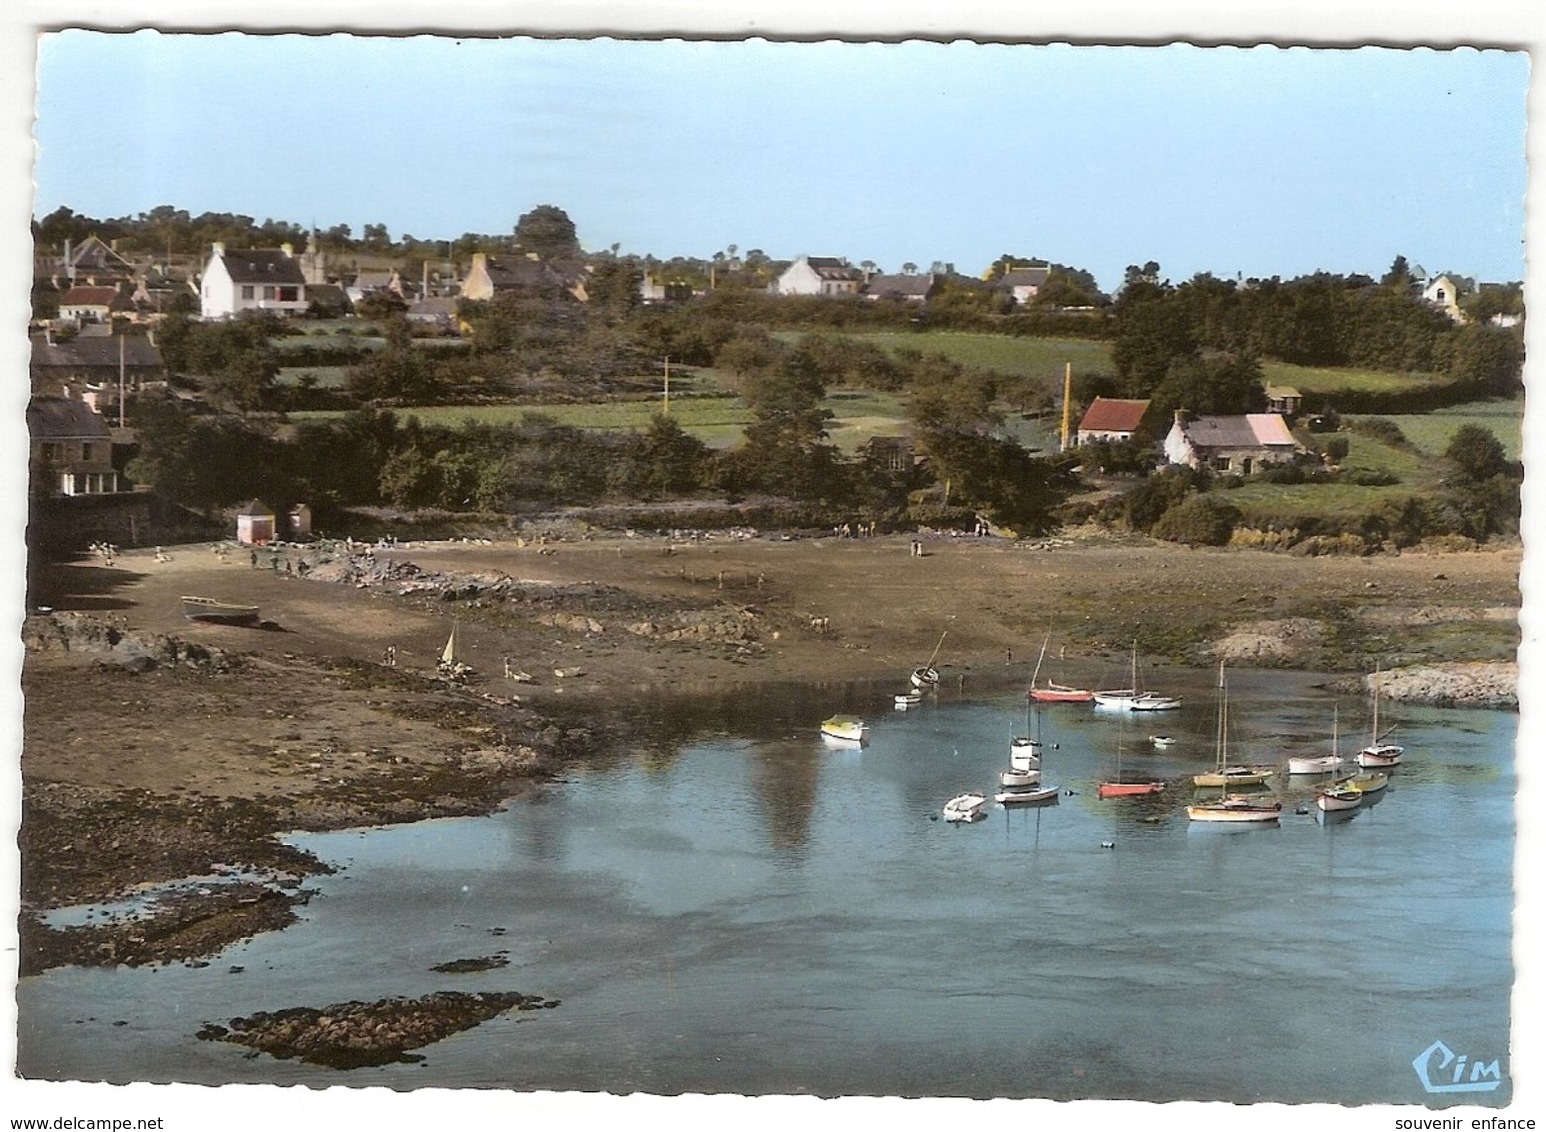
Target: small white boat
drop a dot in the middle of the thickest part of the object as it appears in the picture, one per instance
(925, 677)
(1026, 795)
(849, 728)
(1320, 764)
(964, 807)
(1338, 797)
(907, 699)
(1153, 701)
(1163, 740)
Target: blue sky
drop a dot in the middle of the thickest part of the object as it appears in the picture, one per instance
(1259, 161)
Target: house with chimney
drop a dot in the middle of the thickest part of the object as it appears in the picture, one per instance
(489, 277)
(1239, 444)
(818, 275)
(1110, 419)
(82, 304)
(94, 367)
(1023, 283)
(70, 448)
(254, 279)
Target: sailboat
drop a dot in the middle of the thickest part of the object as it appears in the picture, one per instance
(1320, 764)
(1225, 773)
(1051, 693)
(450, 664)
(1229, 807)
(1023, 778)
(1024, 756)
(1338, 795)
(1378, 754)
(926, 675)
(1133, 698)
(1116, 788)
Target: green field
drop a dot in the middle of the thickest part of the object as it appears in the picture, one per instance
(327, 377)
(1430, 433)
(1322, 379)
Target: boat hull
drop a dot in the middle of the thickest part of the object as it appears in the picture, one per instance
(1233, 812)
(1019, 777)
(1332, 801)
(964, 808)
(1155, 703)
(924, 677)
(1027, 796)
(1062, 695)
(846, 728)
(1251, 776)
(1325, 764)
(1381, 756)
(1127, 789)
(1371, 783)
(207, 609)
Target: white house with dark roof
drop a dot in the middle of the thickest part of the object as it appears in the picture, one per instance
(1230, 444)
(1023, 283)
(818, 275)
(254, 279)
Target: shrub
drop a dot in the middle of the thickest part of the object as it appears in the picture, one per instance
(1381, 429)
(1282, 473)
(1198, 521)
(1369, 477)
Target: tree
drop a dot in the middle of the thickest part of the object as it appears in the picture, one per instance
(1399, 276)
(1212, 383)
(1477, 452)
(547, 231)
(1488, 357)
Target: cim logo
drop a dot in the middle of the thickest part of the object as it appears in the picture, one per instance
(1442, 1070)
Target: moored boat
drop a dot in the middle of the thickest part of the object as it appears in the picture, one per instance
(1012, 777)
(1378, 753)
(1231, 807)
(1153, 701)
(226, 613)
(1369, 782)
(1053, 693)
(1333, 798)
(1025, 795)
(964, 807)
(1116, 788)
(849, 728)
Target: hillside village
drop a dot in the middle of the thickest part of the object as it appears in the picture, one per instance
(270, 354)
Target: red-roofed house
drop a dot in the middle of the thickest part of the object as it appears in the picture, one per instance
(1230, 444)
(94, 304)
(1110, 418)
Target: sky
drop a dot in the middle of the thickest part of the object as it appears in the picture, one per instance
(1254, 161)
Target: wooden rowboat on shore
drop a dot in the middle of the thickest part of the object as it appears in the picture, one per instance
(208, 609)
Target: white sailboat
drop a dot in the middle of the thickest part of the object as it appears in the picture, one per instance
(1320, 764)
(1337, 795)
(926, 675)
(1378, 754)
(1133, 698)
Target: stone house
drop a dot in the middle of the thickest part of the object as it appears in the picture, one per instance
(1237, 444)
(70, 448)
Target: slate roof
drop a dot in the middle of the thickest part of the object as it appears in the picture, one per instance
(91, 352)
(59, 418)
(830, 267)
(257, 509)
(262, 265)
(1026, 277)
(901, 286)
(1254, 430)
(1110, 414)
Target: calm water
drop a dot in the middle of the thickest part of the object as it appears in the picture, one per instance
(762, 912)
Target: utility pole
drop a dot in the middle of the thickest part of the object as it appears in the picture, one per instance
(121, 367)
(666, 407)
